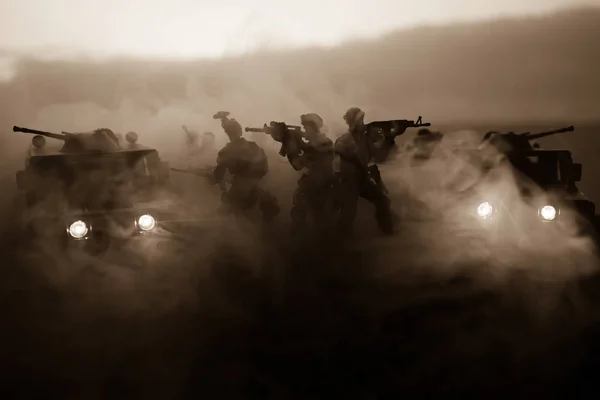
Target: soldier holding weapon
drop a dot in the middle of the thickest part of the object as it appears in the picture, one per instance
(312, 152)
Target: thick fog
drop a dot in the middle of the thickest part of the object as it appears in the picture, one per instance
(513, 71)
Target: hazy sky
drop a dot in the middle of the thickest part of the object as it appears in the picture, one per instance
(207, 28)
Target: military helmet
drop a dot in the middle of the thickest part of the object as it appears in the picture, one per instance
(131, 137)
(312, 118)
(231, 127)
(353, 115)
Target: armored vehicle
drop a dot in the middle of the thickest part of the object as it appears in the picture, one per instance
(91, 191)
(552, 171)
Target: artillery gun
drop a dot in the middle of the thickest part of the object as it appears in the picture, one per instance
(544, 167)
(93, 187)
(512, 142)
(100, 140)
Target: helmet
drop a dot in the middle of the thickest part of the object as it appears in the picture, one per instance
(231, 127)
(353, 115)
(131, 137)
(312, 118)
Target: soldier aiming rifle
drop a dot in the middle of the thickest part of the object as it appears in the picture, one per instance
(309, 151)
(358, 177)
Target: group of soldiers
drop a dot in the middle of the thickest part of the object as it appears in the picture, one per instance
(330, 196)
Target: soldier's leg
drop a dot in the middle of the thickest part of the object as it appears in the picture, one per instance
(348, 192)
(321, 207)
(382, 203)
(299, 211)
(268, 204)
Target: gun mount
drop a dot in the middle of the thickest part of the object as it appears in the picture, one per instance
(100, 140)
(519, 142)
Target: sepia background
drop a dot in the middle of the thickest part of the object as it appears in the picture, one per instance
(152, 66)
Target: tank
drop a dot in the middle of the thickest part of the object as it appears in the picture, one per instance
(93, 190)
(512, 142)
(98, 141)
(552, 171)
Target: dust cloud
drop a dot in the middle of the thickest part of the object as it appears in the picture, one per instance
(209, 286)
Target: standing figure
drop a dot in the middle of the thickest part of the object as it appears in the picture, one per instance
(357, 178)
(314, 193)
(247, 164)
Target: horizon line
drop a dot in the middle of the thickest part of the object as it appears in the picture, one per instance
(71, 54)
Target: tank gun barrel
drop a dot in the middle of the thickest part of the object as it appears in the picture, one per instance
(42, 133)
(532, 136)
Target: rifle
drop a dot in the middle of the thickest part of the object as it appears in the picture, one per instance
(395, 127)
(290, 136)
(201, 172)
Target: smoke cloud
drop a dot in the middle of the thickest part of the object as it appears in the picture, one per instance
(205, 284)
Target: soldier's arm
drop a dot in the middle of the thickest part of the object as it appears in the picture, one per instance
(297, 161)
(296, 153)
(298, 158)
(344, 146)
(223, 161)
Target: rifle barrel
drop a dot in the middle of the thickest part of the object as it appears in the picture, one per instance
(254, 130)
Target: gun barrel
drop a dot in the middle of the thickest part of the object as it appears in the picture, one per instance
(424, 124)
(198, 172)
(254, 130)
(36, 132)
(532, 136)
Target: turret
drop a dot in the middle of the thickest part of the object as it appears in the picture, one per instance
(100, 140)
(519, 142)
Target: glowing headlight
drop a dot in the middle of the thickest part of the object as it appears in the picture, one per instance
(548, 213)
(146, 222)
(485, 210)
(78, 229)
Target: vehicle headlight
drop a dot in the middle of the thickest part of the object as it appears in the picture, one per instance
(548, 213)
(485, 210)
(146, 222)
(78, 229)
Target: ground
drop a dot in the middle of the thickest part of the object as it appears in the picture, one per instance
(251, 315)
